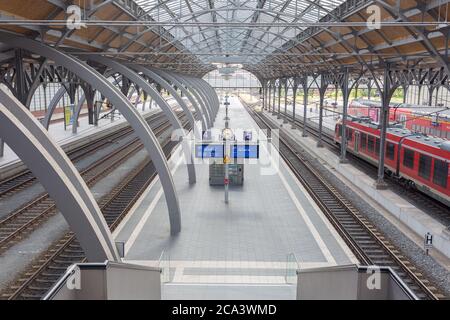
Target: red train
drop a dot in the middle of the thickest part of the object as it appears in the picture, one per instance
(418, 160)
(413, 117)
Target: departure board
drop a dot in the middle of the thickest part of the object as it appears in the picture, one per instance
(212, 151)
(245, 151)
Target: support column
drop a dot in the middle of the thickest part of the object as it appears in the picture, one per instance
(279, 99)
(294, 101)
(419, 94)
(430, 94)
(21, 87)
(305, 106)
(274, 97)
(285, 101)
(386, 96)
(345, 93)
(405, 93)
(322, 91)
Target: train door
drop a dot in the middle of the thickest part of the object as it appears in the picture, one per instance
(357, 139)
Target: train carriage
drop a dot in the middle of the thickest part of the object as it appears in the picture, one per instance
(416, 159)
(428, 120)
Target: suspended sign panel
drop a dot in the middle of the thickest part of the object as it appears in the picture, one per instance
(245, 151)
(212, 151)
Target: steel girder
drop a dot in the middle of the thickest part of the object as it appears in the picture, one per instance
(58, 175)
(167, 110)
(141, 127)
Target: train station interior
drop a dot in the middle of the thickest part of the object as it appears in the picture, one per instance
(250, 150)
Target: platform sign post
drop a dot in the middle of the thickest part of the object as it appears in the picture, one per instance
(428, 242)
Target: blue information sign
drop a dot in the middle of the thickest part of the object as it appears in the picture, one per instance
(245, 151)
(214, 151)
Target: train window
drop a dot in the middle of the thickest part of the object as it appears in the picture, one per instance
(424, 166)
(349, 134)
(440, 174)
(408, 158)
(338, 130)
(390, 150)
(377, 146)
(370, 143)
(363, 141)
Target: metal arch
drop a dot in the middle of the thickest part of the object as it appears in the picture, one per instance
(52, 106)
(178, 84)
(213, 95)
(142, 129)
(207, 94)
(58, 175)
(163, 83)
(206, 97)
(144, 85)
(185, 82)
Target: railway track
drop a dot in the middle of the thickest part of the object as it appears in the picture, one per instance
(48, 268)
(24, 220)
(367, 243)
(26, 178)
(422, 201)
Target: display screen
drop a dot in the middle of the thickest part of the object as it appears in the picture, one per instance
(245, 151)
(214, 151)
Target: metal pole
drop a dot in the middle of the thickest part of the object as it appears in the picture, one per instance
(279, 100)
(274, 97)
(386, 98)
(294, 98)
(227, 172)
(268, 97)
(430, 95)
(285, 102)
(322, 91)
(405, 92)
(345, 93)
(305, 106)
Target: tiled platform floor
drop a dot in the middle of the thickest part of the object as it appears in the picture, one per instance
(244, 242)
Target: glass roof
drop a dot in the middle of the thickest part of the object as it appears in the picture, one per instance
(247, 30)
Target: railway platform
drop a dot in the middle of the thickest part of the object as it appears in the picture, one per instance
(409, 219)
(243, 249)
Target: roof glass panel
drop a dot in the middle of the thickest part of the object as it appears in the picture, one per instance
(246, 28)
